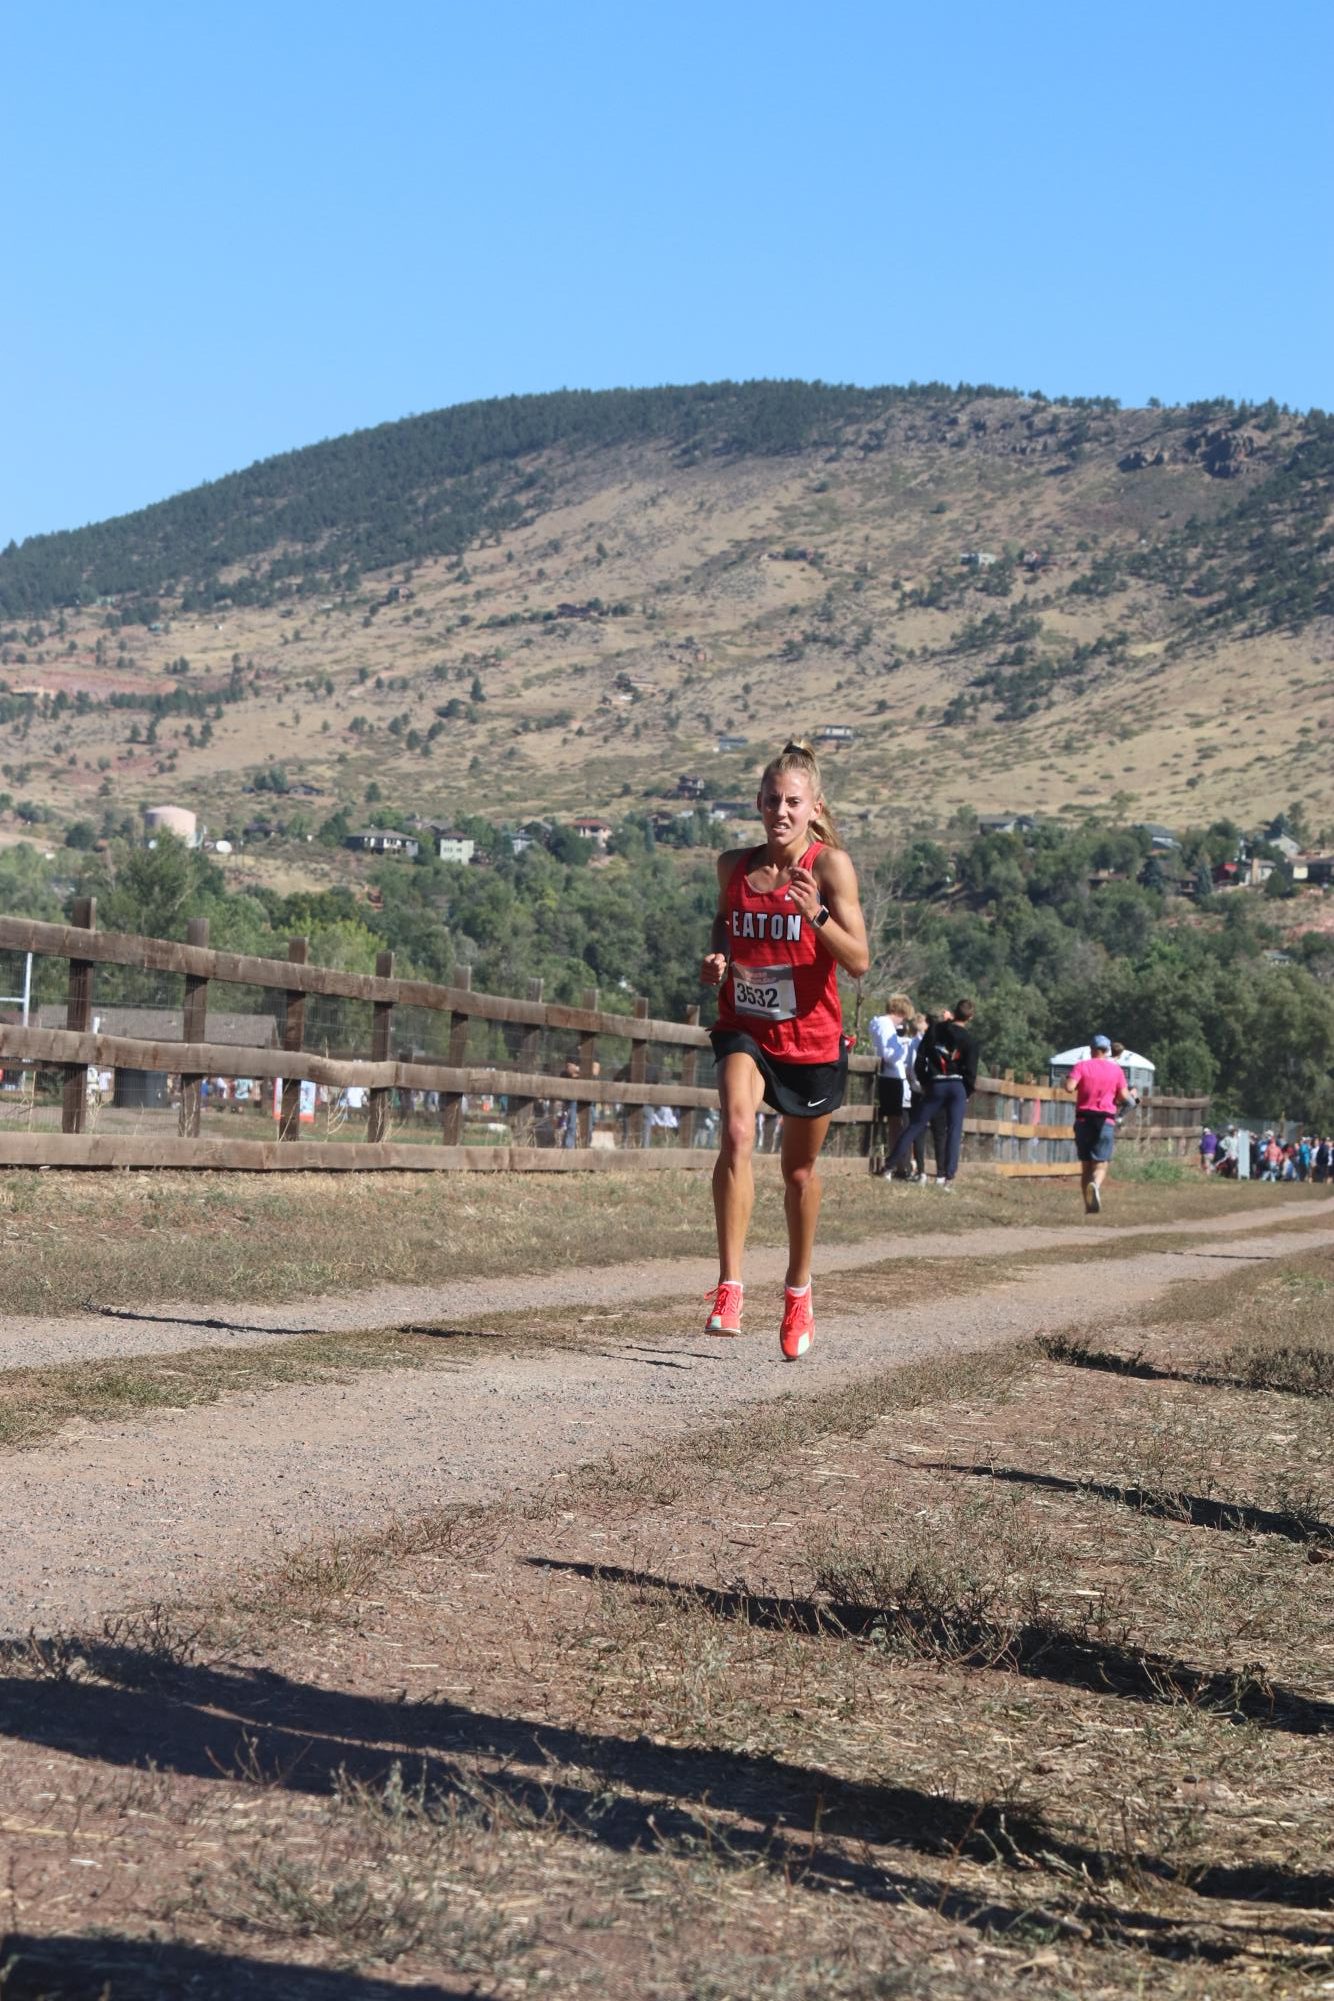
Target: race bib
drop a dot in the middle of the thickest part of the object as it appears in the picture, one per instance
(769, 991)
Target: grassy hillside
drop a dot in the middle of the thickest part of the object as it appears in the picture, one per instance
(557, 604)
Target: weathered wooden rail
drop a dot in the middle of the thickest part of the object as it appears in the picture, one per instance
(1015, 1126)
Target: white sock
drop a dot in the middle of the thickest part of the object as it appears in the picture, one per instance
(797, 1291)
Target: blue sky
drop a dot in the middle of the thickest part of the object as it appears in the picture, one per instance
(231, 231)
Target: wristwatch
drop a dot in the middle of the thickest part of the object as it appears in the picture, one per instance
(821, 917)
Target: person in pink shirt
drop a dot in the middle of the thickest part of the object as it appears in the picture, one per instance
(1100, 1089)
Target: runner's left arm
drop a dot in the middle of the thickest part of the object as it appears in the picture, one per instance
(843, 934)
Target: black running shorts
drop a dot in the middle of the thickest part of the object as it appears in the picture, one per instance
(797, 1090)
(892, 1097)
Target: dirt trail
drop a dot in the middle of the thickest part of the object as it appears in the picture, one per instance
(124, 1513)
(30, 1340)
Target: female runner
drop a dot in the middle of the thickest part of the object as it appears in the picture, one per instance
(788, 917)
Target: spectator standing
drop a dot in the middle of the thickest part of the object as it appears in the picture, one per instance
(1100, 1088)
(892, 1040)
(946, 1067)
(1208, 1149)
(937, 1124)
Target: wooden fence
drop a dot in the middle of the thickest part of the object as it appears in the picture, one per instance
(500, 1082)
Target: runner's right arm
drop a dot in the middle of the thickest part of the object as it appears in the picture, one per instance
(714, 969)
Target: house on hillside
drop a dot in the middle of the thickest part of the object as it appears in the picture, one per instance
(532, 834)
(452, 847)
(1161, 839)
(976, 559)
(383, 841)
(728, 742)
(1006, 823)
(589, 828)
(1318, 870)
(689, 787)
(835, 735)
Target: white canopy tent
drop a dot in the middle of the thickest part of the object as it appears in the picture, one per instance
(1138, 1069)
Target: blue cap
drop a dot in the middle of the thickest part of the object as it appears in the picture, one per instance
(1101, 1042)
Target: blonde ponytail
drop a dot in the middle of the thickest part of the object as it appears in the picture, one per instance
(798, 755)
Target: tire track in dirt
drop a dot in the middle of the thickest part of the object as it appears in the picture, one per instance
(165, 1508)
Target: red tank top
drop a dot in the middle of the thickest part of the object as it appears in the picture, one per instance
(782, 986)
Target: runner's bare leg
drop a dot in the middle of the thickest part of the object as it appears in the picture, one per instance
(802, 1140)
(741, 1092)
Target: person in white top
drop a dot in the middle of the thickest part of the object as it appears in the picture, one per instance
(892, 1040)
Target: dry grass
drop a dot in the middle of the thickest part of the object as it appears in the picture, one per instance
(1250, 1331)
(147, 1238)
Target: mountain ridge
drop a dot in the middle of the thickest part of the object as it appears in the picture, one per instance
(557, 603)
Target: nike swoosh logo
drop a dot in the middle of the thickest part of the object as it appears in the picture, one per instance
(811, 1103)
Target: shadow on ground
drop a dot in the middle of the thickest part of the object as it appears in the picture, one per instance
(1042, 1651)
(1194, 1510)
(219, 1722)
(71, 1968)
(131, 1969)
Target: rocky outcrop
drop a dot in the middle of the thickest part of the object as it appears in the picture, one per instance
(1222, 452)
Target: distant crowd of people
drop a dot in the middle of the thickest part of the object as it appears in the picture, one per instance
(1268, 1158)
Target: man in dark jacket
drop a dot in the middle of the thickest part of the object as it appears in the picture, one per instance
(947, 1071)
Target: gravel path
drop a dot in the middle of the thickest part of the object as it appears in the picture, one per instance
(31, 1341)
(125, 1513)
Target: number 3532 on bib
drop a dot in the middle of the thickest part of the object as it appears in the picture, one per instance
(768, 991)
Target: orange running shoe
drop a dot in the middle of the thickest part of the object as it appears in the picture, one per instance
(725, 1310)
(798, 1329)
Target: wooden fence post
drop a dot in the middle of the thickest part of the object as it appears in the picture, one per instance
(451, 1102)
(588, 1067)
(194, 1028)
(689, 1065)
(79, 1015)
(639, 1067)
(294, 1036)
(382, 1017)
